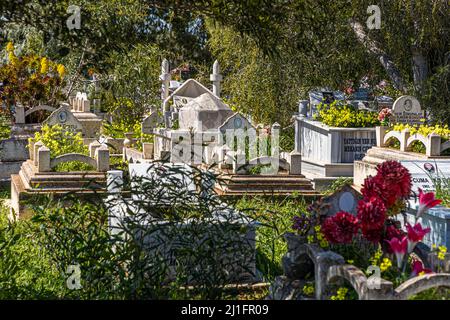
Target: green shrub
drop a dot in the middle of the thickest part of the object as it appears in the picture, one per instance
(123, 265)
(26, 271)
(346, 116)
(5, 125)
(61, 141)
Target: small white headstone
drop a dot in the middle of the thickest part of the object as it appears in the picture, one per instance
(65, 118)
(407, 109)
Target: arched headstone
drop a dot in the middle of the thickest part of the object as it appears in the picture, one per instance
(407, 109)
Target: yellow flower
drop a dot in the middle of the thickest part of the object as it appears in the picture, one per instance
(308, 290)
(10, 47)
(323, 243)
(310, 239)
(350, 261)
(44, 65)
(340, 295)
(12, 58)
(386, 264)
(61, 70)
(442, 252)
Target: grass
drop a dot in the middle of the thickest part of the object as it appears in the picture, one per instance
(275, 217)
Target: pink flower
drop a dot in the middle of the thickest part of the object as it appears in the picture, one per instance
(418, 268)
(399, 247)
(415, 234)
(426, 201)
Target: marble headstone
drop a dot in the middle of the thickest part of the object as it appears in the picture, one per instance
(345, 199)
(406, 109)
(65, 118)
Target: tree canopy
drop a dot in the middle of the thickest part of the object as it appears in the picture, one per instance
(291, 44)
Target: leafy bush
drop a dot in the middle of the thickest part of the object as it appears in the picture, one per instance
(25, 268)
(30, 80)
(346, 116)
(153, 253)
(62, 141)
(5, 125)
(118, 128)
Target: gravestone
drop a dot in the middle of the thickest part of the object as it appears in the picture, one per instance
(156, 233)
(236, 122)
(150, 123)
(406, 109)
(345, 199)
(361, 94)
(425, 173)
(65, 118)
(356, 145)
(206, 112)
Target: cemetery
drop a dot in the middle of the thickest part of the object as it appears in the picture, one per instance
(152, 173)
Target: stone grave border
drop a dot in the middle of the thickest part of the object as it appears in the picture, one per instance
(41, 158)
(433, 142)
(329, 268)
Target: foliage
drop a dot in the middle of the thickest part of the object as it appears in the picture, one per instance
(425, 130)
(133, 85)
(30, 80)
(123, 259)
(25, 268)
(338, 184)
(248, 73)
(346, 116)
(62, 141)
(275, 217)
(441, 184)
(118, 129)
(5, 124)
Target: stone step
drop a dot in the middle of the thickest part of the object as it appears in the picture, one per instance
(269, 187)
(307, 193)
(268, 182)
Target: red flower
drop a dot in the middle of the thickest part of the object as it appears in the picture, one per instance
(372, 187)
(426, 201)
(418, 267)
(415, 234)
(371, 234)
(376, 187)
(395, 178)
(372, 213)
(393, 232)
(340, 228)
(399, 247)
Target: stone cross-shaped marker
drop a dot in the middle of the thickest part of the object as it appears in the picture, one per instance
(216, 78)
(165, 79)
